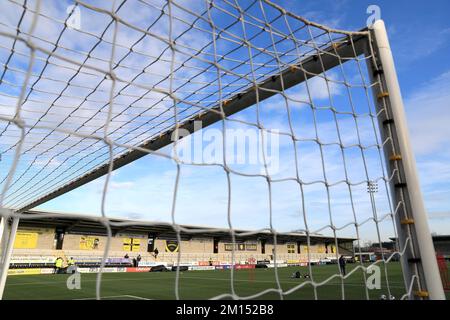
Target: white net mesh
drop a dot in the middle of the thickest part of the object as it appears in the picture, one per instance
(88, 86)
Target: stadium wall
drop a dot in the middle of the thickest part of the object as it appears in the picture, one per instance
(194, 245)
(136, 243)
(44, 239)
(197, 245)
(442, 245)
(88, 236)
(34, 238)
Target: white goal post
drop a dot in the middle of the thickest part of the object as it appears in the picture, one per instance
(79, 101)
(412, 216)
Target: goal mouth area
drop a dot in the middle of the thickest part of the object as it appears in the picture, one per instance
(63, 119)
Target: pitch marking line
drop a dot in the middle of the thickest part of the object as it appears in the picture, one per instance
(120, 296)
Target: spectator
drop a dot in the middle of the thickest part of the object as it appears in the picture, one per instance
(58, 265)
(138, 260)
(342, 264)
(155, 253)
(70, 262)
(71, 267)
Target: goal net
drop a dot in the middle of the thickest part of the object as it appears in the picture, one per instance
(239, 116)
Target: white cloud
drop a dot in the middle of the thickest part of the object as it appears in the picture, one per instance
(439, 215)
(425, 39)
(428, 111)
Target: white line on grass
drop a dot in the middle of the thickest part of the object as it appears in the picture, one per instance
(120, 296)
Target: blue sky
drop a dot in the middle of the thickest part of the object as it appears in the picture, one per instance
(420, 40)
(419, 33)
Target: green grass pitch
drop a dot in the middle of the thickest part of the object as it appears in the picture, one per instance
(204, 284)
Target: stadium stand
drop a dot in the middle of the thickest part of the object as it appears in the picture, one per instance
(40, 242)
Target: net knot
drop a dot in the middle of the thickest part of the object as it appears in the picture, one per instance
(19, 122)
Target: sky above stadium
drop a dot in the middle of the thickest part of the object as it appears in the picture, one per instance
(420, 41)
